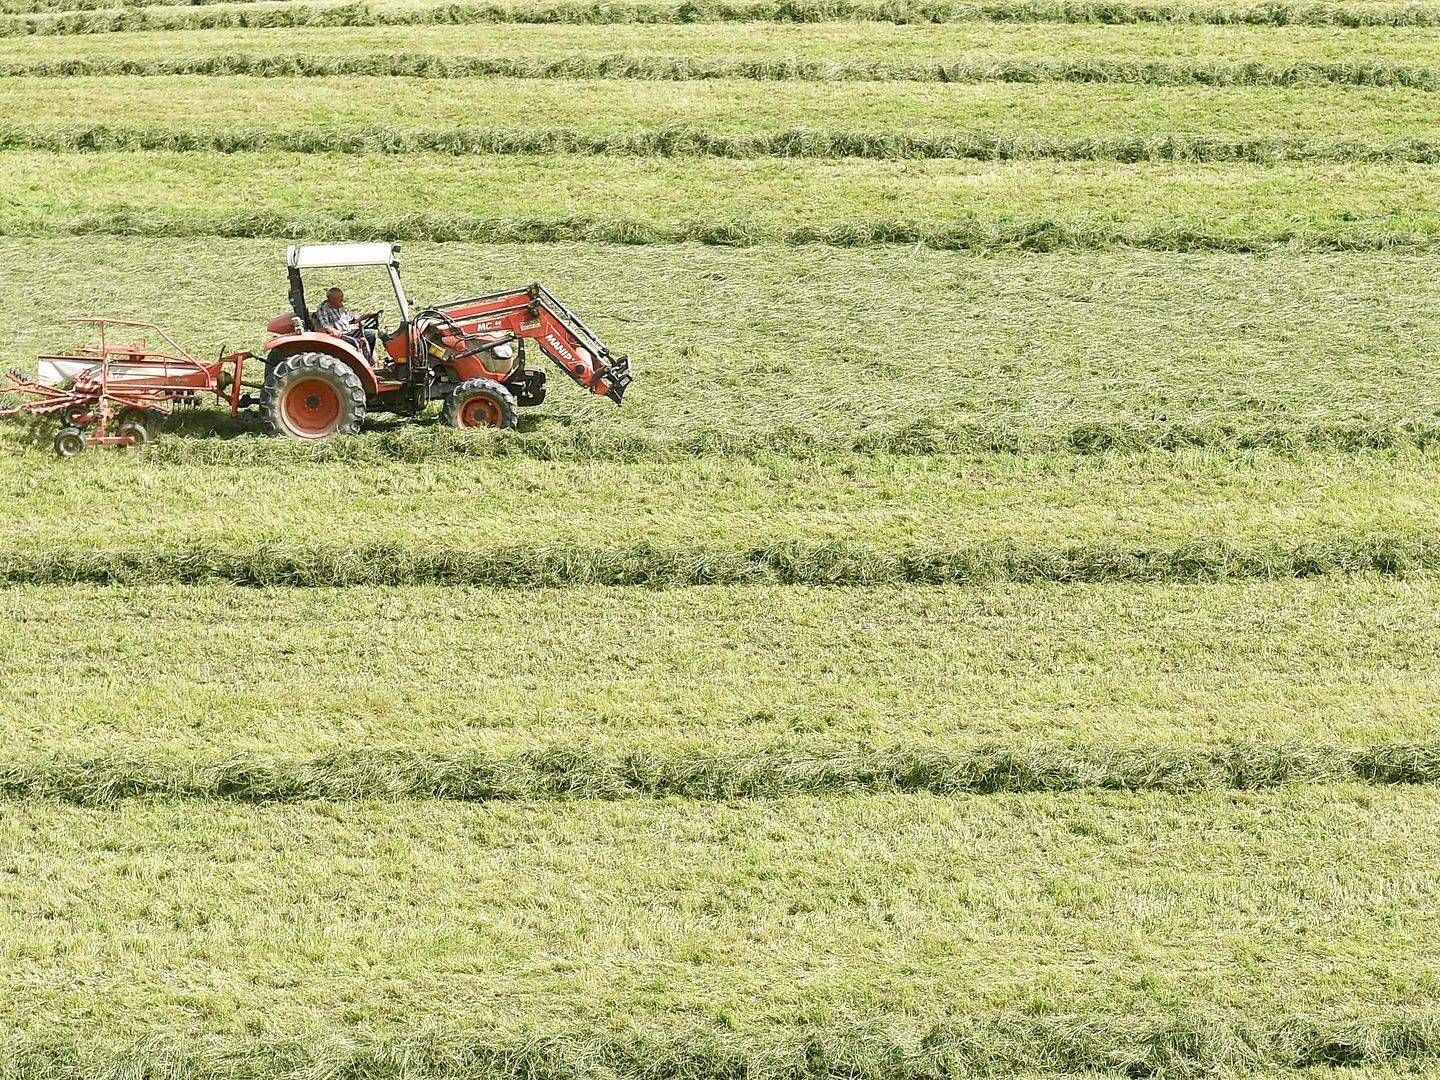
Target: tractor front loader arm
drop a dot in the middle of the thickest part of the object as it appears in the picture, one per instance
(535, 314)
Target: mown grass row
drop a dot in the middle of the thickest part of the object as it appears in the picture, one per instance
(1161, 1044)
(1375, 72)
(979, 237)
(692, 140)
(580, 772)
(118, 20)
(796, 562)
(208, 437)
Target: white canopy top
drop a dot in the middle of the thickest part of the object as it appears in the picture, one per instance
(312, 255)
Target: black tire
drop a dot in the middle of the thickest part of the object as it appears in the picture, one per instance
(71, 414)
(142, 423)
(481, 403)
(69, 441)
(312, 396)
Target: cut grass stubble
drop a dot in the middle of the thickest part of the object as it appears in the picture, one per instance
(1102, 919)
(746, 678)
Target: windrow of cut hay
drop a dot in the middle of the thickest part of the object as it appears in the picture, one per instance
(1177, 1043)
(794, 562)
(692, 141)
(131, 17)
(1376, 73)
(197, 442)
(70, 7)
(580, 772)
(977, 237)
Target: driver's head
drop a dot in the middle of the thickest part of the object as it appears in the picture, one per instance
(336, 297)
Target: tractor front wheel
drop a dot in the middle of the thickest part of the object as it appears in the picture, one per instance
(481, 403)
(313, 396)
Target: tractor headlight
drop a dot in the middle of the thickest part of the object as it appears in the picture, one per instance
(505, 351)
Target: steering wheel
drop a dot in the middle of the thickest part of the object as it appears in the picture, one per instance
(370, 321)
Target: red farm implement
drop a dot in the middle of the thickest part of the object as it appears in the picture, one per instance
(110, 393)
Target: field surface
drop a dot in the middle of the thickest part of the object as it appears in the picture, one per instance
(995, 637)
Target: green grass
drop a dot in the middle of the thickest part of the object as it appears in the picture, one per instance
(1108, 745)
(856, 45)
(608, 513)
(169, 673)
(287, 65)
(957, 52)
(875, 520)
(746, 678)
(345, 14)
(1263, 929)
(949, 205)
(193, 103)
(1009, 658)
(809, 351)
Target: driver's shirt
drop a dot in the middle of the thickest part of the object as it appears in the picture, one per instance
(337, 319)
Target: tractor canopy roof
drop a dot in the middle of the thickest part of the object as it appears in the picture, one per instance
(327, 255)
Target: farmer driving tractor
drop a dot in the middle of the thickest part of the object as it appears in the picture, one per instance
(335, 319)
(321, 376)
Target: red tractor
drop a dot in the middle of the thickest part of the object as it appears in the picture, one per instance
(470, 354)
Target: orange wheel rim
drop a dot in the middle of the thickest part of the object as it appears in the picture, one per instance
(481, 411)
(312, 407)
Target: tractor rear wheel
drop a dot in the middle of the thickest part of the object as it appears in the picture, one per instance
(312, 396)
(481, 403)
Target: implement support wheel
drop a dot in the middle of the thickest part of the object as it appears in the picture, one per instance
(137, 424)
(481, 403)
(76, 415)
(69, 441)
(313, 396)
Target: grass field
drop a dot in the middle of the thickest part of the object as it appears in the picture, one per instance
(994, 638)
(775, 920)
(1318, 662)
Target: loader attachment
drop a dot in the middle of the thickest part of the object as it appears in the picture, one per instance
(535, 314)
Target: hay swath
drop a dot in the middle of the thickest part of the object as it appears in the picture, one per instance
(122, 389)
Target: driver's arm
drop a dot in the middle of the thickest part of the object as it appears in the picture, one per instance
(328, 318)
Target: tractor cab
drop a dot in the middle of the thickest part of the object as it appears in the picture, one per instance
(302, 316)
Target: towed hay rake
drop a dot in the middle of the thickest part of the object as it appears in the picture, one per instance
(468, 355)
(123, 389)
